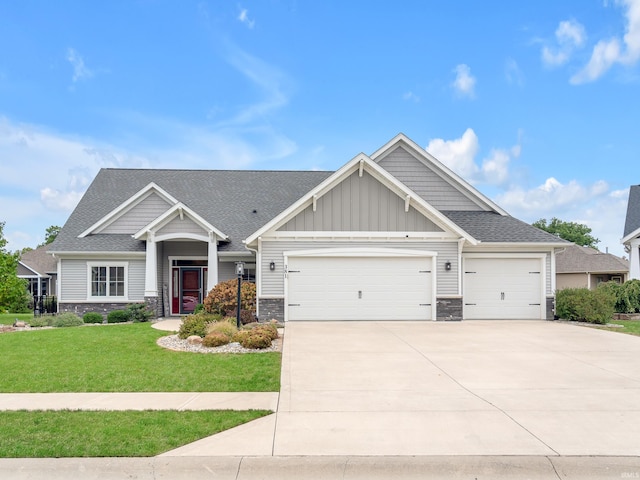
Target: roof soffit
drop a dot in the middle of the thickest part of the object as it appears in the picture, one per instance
(437, 167)
(127, 206)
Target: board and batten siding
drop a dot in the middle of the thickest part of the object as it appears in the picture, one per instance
(140, 215)
(425, 182)
(74, 272)
(272, 251)
(360, 204)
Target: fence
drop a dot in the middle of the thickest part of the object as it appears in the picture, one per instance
(45, 304)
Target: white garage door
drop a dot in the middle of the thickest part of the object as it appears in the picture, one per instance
(359, 288)
(503, 288)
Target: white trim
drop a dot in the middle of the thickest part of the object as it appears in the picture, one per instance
(366, 253)
(108, 298)
(429, 159)
(128, 205)
(379, 174)
(631, 236)
(35, 272)
(356, 235)
(99, 255)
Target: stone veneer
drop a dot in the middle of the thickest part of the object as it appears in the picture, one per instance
(551, 308)
(449, 309)
(81, 308)
(270, 308)
(155, 305)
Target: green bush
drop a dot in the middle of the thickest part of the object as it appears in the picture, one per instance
(138, 312)
(67, 319)
(199, 308)
(630, 296)
(215, 339)
(582, 304)
(92, 317)
(196, 324)
(118, 316)
(44, 321)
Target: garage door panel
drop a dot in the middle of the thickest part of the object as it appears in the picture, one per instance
(363, 288)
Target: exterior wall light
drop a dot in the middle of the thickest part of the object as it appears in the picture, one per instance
(447, 265)
(272, 266)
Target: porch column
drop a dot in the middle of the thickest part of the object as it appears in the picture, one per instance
(634, 259)
(151, 269)
(212, 269)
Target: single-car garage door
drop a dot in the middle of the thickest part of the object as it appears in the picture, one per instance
(359, 288)
(503, 288)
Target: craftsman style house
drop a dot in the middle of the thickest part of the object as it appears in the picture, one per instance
(631, 237)
(394, 235)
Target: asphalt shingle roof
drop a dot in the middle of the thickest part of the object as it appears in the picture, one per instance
(493, 227)
(39, 260)
(227, 199)
(577, 259)
(632, 222)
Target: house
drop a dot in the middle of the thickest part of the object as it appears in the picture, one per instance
(586, 267)
(631, 238)
(394, 235)
(39, 268)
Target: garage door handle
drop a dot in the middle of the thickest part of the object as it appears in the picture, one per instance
(470, 303)
(425, 304)
(501, 295)
(534, 304)
(293, 304)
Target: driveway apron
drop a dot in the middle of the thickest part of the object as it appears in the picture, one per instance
(447, 388)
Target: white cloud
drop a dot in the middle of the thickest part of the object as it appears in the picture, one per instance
(513, 73)
(410, 96)
(57, 200)
(609, 52)
(465, 83)
(244, 18)
(80, 70)
(570, 35)
(460, 156)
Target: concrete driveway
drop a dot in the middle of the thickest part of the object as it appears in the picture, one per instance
(528, 388)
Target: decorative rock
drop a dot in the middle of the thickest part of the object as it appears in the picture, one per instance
(194, 340)
(19, 324)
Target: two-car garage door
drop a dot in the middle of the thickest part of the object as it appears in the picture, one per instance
(359, 288)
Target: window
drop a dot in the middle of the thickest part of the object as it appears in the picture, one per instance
(107, 280)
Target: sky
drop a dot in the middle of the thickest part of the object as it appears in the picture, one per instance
(536, 104)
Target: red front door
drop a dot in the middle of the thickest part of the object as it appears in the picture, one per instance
(191, 289)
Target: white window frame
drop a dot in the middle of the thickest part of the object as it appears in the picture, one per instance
(107, 265)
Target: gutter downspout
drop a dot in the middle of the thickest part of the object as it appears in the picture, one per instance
(258, 272)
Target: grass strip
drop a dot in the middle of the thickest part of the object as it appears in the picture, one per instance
(632, 327)
(9, 318)
(74, 433)
(124, 358)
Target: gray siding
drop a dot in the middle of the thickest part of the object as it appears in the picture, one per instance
(140, 215)
(186, 225)
(74, 272)
(547, 266)
(226, 271)
(425, 182)
(272, 251)
(360, 204)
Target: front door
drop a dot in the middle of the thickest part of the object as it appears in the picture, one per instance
(191, 289)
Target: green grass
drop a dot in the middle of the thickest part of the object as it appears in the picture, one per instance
(124, 358)
(632, 327)
(9, 318)
(39, 434)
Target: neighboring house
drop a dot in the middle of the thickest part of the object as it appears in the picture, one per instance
(586, 267)
(631, 237)
(40, 270)
(391, 236)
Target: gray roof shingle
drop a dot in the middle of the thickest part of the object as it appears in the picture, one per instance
(632, 222)
(577, 259)
(493, 227)
(40, 261)
(225, 198)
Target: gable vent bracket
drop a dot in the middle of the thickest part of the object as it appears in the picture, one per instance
(181, 212)
(315, 202)
(361, 169)
(406, 203)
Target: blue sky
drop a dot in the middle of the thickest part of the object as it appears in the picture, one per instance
(537, 104)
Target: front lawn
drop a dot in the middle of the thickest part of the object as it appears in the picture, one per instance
(10, 318)
(38, 434)
(632, 327)
(124, 358)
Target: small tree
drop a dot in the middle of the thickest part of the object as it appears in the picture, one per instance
(50, 235)
(223, 298)
(577, 233)
(13, 290)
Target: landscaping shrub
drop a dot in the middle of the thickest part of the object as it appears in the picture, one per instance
(92, 317)
(226, 328)
(196, 324)
(45, 321)
(67, 319)
(118, 316)
(223, 298)
(215, 339)
(269, 329)
(199, 308)
(253, 338)
(627, 295)
(138, 312)
(582, 304)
